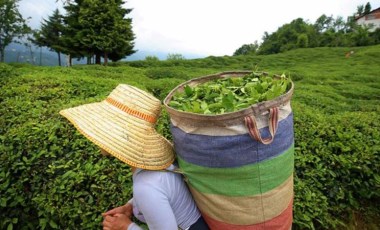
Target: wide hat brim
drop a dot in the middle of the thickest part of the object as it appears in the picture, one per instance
(132, 140)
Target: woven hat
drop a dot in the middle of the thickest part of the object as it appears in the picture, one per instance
(124, 126)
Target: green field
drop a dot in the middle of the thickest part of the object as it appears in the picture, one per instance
(51, 177)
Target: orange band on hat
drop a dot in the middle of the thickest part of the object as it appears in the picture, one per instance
(130, 111)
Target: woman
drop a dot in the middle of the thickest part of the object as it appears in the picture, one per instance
(123, 126)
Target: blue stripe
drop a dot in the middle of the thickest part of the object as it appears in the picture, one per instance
(231, 151)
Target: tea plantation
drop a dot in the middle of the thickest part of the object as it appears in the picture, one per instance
(51, 177)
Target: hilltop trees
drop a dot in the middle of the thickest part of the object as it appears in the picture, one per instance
(327, 31)
(105, 30)
(100, 28)
(363, 9)
(50, 34)
(297, 34)
(12, 24)
(90, 28)
(247, 49)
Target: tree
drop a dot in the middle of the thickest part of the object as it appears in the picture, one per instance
(289, 36)
(71, 39)
(50, 34)
(151, 58)
(360, 10)
(12, 25)
(247, 49)
(105, 30)
(361, 36)
(339, 24)
(367, 8)
(323, 23)
(175, 57)
(302, 41)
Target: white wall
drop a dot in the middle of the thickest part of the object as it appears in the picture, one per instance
(373, 19)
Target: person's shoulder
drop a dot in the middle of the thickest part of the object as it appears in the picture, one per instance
(148, 184)
(168, 172)
(149, 173)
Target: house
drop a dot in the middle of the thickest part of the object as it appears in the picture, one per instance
(370, 19)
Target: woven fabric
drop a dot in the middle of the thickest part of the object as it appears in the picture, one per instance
(233, 150)
(280, 222)
(268, 174)
(238, 181)
(246, 209)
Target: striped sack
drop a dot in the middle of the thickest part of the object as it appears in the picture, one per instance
(239, 166)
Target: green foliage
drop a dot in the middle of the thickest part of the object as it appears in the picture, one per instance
(6, 70)
(99, 28)
(229, 94)
(50, 33)
(247, 49)
(51, 177)
(166, 72)
(340, 161)
(287, 37)
(302, 41)
(327, 31)
(175, 57)
(105, 30)
(46, 164)
(367, 8)
(151, 58)
(12, 24)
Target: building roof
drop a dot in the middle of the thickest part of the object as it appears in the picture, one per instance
(371, 12)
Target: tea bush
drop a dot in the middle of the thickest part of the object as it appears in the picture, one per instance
(336, 165)
(6, 70)
(166, 72)
(51, 177)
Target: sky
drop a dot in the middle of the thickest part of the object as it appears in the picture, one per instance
(207, 27)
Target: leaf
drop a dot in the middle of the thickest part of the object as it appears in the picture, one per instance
(228, 102)
(3, 202)
(188, 91)
(197, 107)
(53, 224)
(228, 94)
(175, 104)
(204, 106)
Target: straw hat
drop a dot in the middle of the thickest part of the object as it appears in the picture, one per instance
(124, 126)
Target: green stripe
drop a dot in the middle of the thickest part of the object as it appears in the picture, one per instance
(248, 180)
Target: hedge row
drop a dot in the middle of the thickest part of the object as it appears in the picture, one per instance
(51, 177)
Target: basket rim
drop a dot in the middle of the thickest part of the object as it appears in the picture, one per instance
(254, 109)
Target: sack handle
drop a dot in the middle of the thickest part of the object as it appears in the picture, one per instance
(251, 124)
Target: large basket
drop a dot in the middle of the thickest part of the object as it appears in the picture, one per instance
(239, 165)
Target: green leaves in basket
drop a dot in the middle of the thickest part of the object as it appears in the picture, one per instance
(229, 94)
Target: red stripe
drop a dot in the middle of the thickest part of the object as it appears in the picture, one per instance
(130, 111)
(281, 222)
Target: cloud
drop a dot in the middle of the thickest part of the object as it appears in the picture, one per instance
(38, 10)
(208, 27)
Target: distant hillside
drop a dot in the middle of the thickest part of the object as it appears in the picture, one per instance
(23, 54)
(19, 53)
(44, 57)
(142, 54)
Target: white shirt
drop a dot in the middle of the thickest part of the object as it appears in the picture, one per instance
(162, 200)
